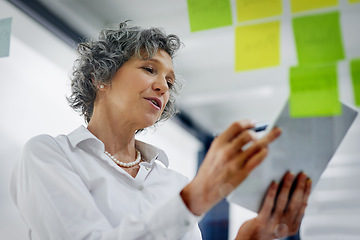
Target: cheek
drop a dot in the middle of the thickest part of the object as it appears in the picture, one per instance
(166, 100)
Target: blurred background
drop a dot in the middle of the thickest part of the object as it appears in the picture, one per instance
(235, 64)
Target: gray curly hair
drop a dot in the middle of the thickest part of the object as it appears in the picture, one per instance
(99, 61)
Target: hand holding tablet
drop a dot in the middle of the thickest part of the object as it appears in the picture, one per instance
(305, 145)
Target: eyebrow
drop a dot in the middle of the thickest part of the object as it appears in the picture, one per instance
(159, 62)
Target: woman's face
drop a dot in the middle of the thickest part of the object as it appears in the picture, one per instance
(139, 90)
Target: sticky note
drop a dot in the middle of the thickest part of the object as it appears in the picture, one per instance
(250, 9)
(318, 38)
(5, 33)
(207, 14)
(257, 46)
(314, 91)
(304, 5)
(354, 1)
(355, 78)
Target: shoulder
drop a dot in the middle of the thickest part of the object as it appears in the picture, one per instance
(42, 148)
(41, 143)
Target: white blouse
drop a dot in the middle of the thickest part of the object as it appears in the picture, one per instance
(67, 188)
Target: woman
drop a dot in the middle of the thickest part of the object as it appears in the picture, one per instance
(99, 182)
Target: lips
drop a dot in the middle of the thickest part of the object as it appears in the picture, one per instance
(155, 102)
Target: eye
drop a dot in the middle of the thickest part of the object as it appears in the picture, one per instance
(149, 69)
(170, 83)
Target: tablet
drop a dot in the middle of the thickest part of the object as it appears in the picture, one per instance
(306, 144)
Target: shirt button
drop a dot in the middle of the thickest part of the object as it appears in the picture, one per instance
(141, 187)
(146, 168)
(187, 222)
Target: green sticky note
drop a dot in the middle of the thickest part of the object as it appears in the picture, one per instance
(207, 14)
(250, 9)
(257, 46)
(304, 5)
(318, 38)
(314, 91)
(354, 1)
(355, 78)
(5, 33)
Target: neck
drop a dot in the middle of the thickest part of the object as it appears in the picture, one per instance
(117, 136)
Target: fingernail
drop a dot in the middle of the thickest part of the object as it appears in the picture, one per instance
(278, 131)
(308, 182)
(274, 185)
(303, 176)
(291, 176)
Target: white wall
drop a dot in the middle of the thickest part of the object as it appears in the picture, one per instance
(31, 100)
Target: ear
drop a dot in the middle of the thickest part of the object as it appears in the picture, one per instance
(99, 86)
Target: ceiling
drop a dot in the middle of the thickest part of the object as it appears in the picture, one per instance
(214, 95)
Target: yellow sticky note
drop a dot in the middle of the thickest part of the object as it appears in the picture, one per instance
(314, 91)
(207, 14)
(304, 5)
(257, 46)
(354, 1)
(250, 9)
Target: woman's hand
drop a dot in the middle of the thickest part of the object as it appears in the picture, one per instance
(281, 212)
(226, 165)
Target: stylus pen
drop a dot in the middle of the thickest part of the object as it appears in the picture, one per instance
(260, 127)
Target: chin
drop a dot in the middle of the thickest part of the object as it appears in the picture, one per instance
(148, 122)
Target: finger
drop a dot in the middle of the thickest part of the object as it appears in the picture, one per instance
(305, 200)
(283, 195)
(237, 127)
(271, 136)
(241, 170)
(255, 154)
(297, 196)
(240, 141)
(254, 160)
(262, 142)
(268, 204)
(304, 203)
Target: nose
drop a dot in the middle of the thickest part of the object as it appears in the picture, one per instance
(160, 85)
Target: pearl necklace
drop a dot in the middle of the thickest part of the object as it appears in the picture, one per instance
(124, 164)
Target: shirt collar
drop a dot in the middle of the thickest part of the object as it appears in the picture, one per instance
(149, 152)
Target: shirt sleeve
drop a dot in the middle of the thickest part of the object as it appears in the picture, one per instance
(55, 203)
